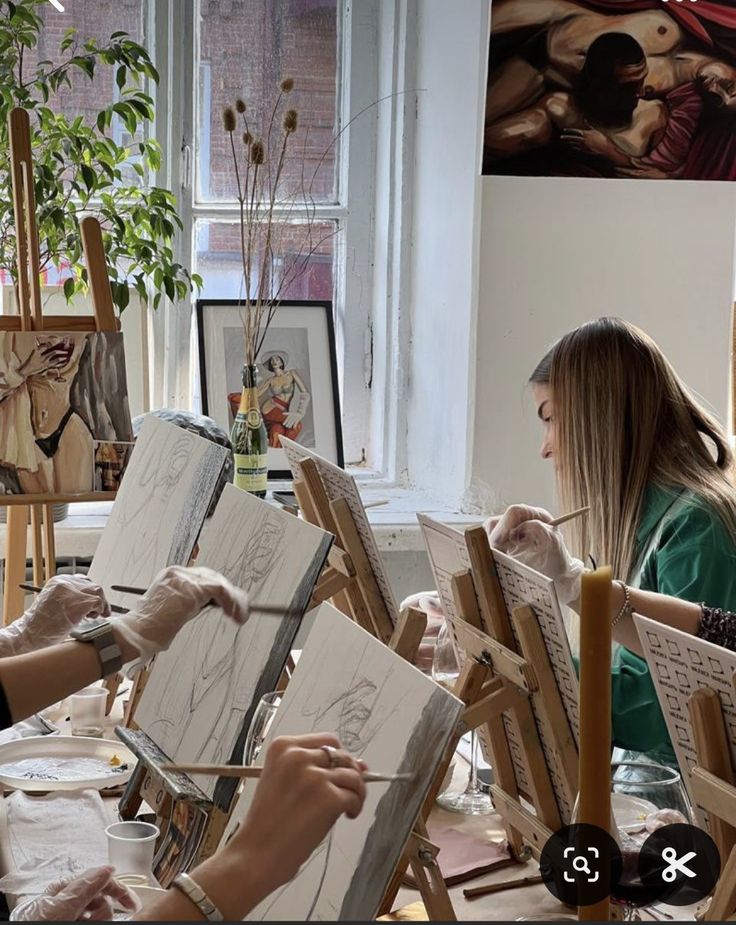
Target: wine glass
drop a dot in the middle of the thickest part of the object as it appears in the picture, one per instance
(445, 671)
(644, 797)
(263, 716)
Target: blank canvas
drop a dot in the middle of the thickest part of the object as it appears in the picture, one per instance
(201, 694)
(389, 714)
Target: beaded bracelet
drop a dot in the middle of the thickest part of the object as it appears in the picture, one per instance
(718, 626)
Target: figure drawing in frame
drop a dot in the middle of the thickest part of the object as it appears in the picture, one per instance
(283, 398)
(612, 88)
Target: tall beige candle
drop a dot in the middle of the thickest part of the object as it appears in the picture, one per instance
(594, 806)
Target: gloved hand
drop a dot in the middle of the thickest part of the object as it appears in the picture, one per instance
(64, 601)
(175, 597)
(428, 602)
(542, 547)
(499, 528)
(89, 897)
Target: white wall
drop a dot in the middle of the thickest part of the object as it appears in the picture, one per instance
(555, 253)
(450, 56)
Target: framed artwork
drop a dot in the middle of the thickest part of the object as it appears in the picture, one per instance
(635, 89)
(297, 375)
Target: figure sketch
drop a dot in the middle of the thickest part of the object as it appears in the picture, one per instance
(389, 714)
(46, 432)
(160, 507)
(283, 397)
(202, 691)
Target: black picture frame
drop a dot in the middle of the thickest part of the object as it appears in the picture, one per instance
(321, 311)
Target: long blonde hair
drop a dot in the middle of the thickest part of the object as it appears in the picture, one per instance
(625, 420)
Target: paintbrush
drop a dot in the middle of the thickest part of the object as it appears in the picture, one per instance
(114, 607)
(558, 521)
(477, 891)
(256, 608)
(254, 771)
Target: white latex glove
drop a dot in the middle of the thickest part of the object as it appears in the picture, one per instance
(176, 596)
(499, 528)
(64, 601)
(542, 547)
(429, 603)
(89, 897)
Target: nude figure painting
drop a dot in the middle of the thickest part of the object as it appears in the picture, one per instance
(60, 393)
(612, 88)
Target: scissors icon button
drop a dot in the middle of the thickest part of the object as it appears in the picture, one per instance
(676, 865)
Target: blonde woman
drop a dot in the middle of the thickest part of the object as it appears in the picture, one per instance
(628, 439)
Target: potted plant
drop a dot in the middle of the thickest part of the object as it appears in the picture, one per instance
(81, 169)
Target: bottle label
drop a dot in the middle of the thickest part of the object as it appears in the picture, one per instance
(253, 418)
(251, 472)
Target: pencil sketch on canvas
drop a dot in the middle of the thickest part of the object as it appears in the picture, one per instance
(680, 664)
(160, 508)
(394, 718)
(340, 484)
(59, 393)
(201, 694)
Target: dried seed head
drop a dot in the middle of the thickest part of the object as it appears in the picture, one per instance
(257, 152)
(247, 138)
(287, 85)
(290, 121)
(240, 105)
(228, 119)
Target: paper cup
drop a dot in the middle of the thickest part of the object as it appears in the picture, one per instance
(130, 847)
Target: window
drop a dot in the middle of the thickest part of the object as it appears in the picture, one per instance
(229, 49)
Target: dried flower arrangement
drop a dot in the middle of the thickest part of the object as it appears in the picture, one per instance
(266, 211)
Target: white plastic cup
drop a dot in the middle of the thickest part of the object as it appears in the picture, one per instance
(130, 847)
(88, 712)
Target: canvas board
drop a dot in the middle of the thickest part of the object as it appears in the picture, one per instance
(202, 692)
(160, 508)
(340, 484)
(680, 664)
(520, 585)
(393, 717)
(60, 395)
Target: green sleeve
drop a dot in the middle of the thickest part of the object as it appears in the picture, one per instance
(695, 560)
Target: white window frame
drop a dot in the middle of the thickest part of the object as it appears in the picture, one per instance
(371, 246)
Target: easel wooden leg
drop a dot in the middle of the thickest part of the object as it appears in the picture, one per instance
(36, 526)
(16, 533)
(723, 903)
(428, 877)
(50, 541)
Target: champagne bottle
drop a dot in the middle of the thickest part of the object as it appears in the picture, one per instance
(250, 439)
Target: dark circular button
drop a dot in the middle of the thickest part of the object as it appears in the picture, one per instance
(680, 863)
(580, 864)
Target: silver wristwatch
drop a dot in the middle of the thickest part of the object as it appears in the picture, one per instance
(99, 633)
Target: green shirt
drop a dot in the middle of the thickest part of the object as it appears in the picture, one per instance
(689, 554)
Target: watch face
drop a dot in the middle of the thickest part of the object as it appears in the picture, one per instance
(90, 627)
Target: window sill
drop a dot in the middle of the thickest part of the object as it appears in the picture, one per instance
(394, 523)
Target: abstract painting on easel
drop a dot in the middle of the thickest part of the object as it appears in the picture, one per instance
(62, 396)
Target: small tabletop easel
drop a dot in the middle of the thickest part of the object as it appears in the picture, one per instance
(713, 784)
(348, 580)
(31, 318)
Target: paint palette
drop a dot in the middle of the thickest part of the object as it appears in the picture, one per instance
(40, 764)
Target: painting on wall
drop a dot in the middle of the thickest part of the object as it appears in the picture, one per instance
(297, 378)
(61, 394)
(612, 88)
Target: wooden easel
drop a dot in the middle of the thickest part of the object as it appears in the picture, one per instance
(348, 580)
(497, 681)
(714, 787)
(31, 318)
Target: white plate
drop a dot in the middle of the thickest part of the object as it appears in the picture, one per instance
(630, 812)
(73, 762)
